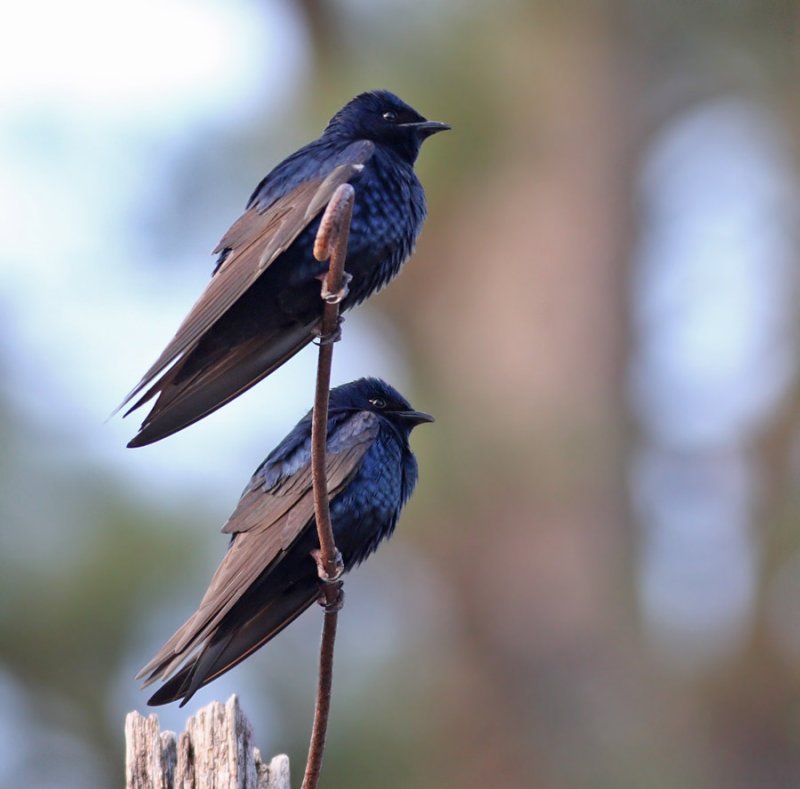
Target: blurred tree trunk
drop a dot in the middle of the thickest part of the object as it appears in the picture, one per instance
(529, 278)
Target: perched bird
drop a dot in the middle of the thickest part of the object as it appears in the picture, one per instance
(269, 576)
(263, 303)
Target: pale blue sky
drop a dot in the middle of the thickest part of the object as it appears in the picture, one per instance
(93, 116)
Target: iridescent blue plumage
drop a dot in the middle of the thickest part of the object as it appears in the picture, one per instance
(268, 576)
(371, 143)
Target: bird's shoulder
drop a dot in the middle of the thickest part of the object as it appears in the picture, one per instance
(282, 485)
(313, 162)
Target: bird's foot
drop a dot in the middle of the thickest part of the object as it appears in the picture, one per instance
(336, 297)
(332, 596)
(337, 601)
(331, 337)
(322, 570)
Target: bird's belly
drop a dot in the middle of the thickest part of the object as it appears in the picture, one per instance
(360, 535)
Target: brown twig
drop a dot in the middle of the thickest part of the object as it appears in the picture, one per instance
(331, 243)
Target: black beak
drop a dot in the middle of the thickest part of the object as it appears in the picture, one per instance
(426, 128)
(414, 418)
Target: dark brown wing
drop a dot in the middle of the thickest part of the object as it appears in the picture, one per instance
(266, 524)
(188, 400)
(255, 240)
(293, 497)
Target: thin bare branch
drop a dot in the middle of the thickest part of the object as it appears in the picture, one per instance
(331, 242)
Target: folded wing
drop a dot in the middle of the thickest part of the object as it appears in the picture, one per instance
(266, 524)
(253, 243)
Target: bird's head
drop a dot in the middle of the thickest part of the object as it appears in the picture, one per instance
(372, 394)
(382, 117)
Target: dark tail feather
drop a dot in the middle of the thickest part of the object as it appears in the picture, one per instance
(189, 400)
(234, 643)
(173, 689)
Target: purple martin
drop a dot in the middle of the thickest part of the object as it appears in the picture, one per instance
(268, 576)
(263, 303)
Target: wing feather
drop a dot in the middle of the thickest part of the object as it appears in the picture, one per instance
(181, 404)
(266, 523)
(255, 240)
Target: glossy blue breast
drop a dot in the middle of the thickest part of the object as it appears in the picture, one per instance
(367, 511)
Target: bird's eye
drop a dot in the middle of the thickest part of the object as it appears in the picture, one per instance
(389, 116)
(378, 402)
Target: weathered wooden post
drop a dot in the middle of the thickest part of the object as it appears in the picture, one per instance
(215, 752)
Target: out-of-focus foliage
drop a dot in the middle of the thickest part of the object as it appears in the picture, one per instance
(541, 618)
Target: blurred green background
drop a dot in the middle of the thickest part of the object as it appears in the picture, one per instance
(597, 583)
